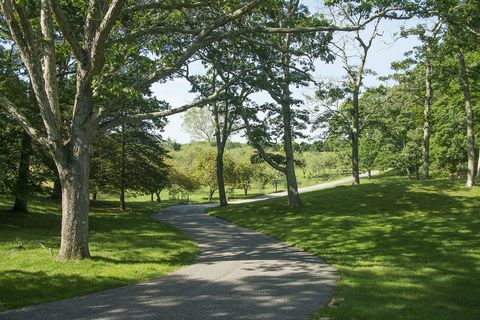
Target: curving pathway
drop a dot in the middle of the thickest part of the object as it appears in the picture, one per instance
(240, 274)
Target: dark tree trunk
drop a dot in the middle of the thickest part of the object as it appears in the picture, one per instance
(159, 199)
(57, 188)
(21, 185)
(355, 139)
(151, 197)
(245, 191)
(94, 195)
(123, 206)
(210, 194)
(294, 199)
(220, 178)
(426, 119)
(369, 173)
(469, 114)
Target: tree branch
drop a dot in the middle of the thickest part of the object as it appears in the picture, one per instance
(23, 121)
(67, 31)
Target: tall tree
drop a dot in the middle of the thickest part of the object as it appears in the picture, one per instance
(102, 39)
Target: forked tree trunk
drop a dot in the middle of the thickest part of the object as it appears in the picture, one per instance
(74, 172)
(159, 199)
(21, 185)
(469, 114)
(355, 140)
(426, 119)
(245, 190)
(210, 194)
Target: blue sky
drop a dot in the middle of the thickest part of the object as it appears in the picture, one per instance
(384, 51)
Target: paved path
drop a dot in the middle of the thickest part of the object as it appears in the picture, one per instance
(319, 186)
(240, 274)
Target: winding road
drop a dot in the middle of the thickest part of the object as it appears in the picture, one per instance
(240, 274)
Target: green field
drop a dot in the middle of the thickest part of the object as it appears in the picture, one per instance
(127, 247)
(404, 249)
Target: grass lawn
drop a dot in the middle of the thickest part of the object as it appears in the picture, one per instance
(404, 249)
(127, 247)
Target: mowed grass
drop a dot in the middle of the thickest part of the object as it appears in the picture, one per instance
(403, 249)
(126, 247)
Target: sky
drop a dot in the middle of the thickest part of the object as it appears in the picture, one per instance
(386, 49)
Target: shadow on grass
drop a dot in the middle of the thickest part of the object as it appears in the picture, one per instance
(126, 247)
(405, 250)
(18, 284)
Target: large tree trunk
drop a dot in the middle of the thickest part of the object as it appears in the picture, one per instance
(426, 120)
(21, 185)
(355, 139)
(74, 172)
(469, 114)
(159, 199)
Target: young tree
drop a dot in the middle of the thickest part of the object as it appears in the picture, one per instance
(199, 123)
(354, 65)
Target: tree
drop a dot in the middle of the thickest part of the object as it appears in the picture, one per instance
(110, 37)
(205, 171)
(355, 67)
(284, 59)
(199, 123)
(425, 55)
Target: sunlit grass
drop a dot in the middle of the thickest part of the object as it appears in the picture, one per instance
(404, 249)
(126, 247)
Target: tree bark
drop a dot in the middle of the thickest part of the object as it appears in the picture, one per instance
(355, 139)
(245, 190)
(469, 115)
(426, 119)
(151, 197)
(159, 199)
(21, 185)
(94, 195)
(74, 173)
(369, 173)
